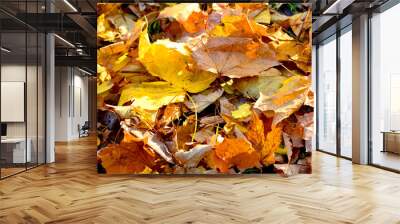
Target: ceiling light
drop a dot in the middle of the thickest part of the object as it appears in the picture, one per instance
(84, 71)
(337, 7)
(65, 41)
(5, 50)
(70, 5)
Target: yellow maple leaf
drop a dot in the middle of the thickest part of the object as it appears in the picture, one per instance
(172, 62)
(151, 95)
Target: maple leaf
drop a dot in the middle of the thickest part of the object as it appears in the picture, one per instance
(237, 152)
(155, 142)
(255, 132)
(191, 158)
(203, 99)
(267, 83)
(125, 158)
(287, 99)
(271, 145)
(151, 95)
(234, 57)
(192, 18)
(238, 26)
(214, 162)
(171, 61)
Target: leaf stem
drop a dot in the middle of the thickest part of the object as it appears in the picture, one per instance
(195, 116)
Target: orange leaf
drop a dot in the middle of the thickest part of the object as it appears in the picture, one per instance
(272, 142)
(255, 133)
(195, 22)
(216, 163)
(125, 158)
(238, 152)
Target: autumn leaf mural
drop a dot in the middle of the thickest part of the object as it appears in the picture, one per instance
(204, 88)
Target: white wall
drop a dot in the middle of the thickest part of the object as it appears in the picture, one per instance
(33, 127)
(71, 102)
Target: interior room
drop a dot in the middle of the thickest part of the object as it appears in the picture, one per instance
(59, 147)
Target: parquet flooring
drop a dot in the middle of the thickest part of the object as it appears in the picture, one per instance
(70, 191)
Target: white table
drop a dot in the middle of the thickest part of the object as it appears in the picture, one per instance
(18, 144)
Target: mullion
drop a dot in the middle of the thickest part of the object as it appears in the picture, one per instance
(0, 93)
(26, 88)
(338, 94)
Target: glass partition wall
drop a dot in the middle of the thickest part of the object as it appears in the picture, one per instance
(22, 88)
(334, 94)
(385, 90)
(327, 95)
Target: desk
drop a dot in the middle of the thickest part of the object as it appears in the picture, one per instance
(391, 141)
(17, 150)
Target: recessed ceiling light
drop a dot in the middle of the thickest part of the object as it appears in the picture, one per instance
(5, 50)
(84, 71)
(65, 41)
(70, 5)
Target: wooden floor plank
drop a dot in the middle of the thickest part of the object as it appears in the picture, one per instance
(71, 191)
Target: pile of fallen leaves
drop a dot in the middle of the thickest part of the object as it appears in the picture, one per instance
(196, 88)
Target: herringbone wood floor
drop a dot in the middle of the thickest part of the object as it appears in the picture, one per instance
(70, 191)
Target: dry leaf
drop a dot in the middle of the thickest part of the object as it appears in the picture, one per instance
(151, 95)
(251, 87)
(184, 133)
(125, 158)
(237, 152)
(188, 14)
(191, 158)
(287, 99)
(243, 111)
(171, 61)
(234, 57)
(271, 145)
(204, 99)
(155, 142)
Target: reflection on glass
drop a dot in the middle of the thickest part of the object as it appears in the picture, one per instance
(14, 150)
(346, 94)
(41, 99)
(327, 96)
(385, 84)
(31, 97)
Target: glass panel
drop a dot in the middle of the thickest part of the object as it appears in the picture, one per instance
(41, 99)
(346, 94)
(385, 84)
(31, 100)
(13, 86)
(32, 88)
(327, 96)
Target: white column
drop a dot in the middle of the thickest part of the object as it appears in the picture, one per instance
(50, 98)
(360, 90)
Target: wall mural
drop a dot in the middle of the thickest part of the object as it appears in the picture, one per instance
(196, 88)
